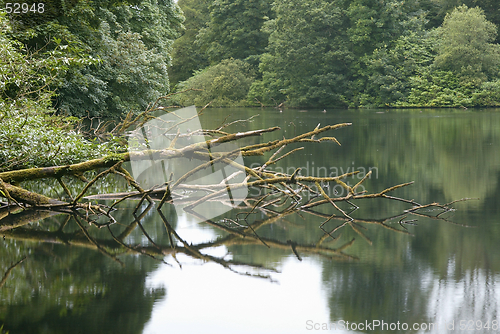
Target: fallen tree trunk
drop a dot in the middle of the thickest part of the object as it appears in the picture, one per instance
(281, 190)
(27, 197)
(191, 151)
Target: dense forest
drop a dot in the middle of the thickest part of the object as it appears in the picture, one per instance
(106, 57)
(357, 53)
(97, 58)
(74, 61)
(69, 59)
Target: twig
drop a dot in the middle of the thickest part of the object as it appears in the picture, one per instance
(7, 273)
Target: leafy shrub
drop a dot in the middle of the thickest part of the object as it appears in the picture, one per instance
(488, 95)
(28, 140)
(225, 84)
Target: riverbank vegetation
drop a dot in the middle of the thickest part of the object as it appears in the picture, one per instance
(104, 58)
(116, 57)
(360, 53)
(110, 58)
(31, 132)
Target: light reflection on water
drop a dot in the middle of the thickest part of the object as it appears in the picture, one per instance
(209, 299)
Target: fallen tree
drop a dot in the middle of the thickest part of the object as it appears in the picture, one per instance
(282, 191)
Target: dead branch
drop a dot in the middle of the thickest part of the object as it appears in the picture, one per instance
(282, 196)
(7, 273)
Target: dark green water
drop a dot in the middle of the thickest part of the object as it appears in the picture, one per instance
(446, 273)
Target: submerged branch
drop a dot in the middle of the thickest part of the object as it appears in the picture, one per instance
(280, 195)
(7, 273)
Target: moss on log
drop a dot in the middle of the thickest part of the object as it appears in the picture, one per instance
(24, 196)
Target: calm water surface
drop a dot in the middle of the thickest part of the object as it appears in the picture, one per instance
(444, 274)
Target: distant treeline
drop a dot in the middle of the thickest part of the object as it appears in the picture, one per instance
(357, 53)
(101, 57)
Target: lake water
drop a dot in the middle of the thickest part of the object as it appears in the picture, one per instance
(436, 275)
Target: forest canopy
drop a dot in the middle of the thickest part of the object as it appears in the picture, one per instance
(359, 53)
(130, 42)
(118, 56)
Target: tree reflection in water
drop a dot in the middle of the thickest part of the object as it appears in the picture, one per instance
(65, 286)
(50, 236)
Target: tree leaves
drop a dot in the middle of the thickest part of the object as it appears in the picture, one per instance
(466, 44)
(226, 83)
(115, 53)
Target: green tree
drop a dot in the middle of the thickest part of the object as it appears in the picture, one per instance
(459, 60)
(133, 40)
(30, 134)
(465, 45)
(188, 53)
(316, 48)
(308, 57)
(226, 83)
(373, 24)
(134, 43)
(235, 29)
(439, 8)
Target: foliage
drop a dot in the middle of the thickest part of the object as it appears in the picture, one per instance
(218, 30)
(235, 29)
(363, 53)
(488, 94)
(457, 68)
(320, 53)
(133, 41)
(28, 140)
(372, 24)
(388, 70)
(438, 88)
(30, 136)
(226, 83)
(445, 89)
(188, 52)
(315, 48)
(129, 77)
(307, 59)
(134, 44)
(465, 45)
(28, 77)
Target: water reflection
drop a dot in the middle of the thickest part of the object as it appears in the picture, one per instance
(63, 289)
(439, 271)
(226, 303)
